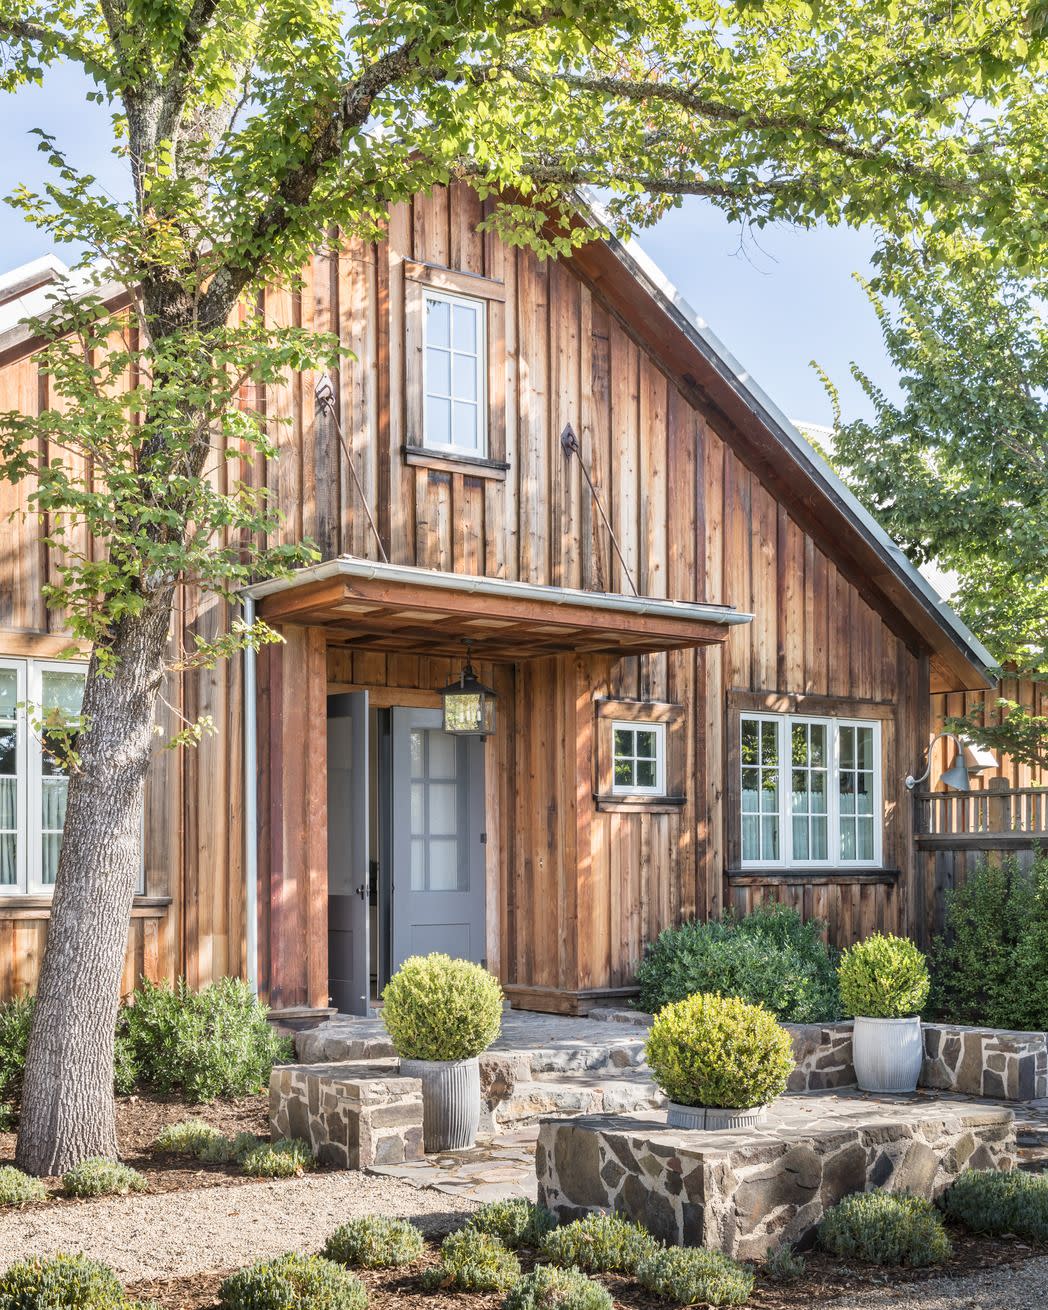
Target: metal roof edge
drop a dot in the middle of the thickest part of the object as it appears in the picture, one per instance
(639, 264)
(476, 584)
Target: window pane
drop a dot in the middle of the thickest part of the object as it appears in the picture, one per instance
(8, 859)
(645, 773)
(865, 834)
(53, 803)
(847, 794)
(769, 743)
(418, 864)
(749, 741)
(818, 793)
(438, 372)
(770, 837)
(464, 376)
(443, 866)
(623, 741)
(800, 839)
(623, 773)
(865, 747)
(8, 750)
(464, 331)
(438, 422)
(770, 793)
(799, 738)
(438, 322)
(418, 809)
(8, 692)
(818, 745)
(847, 748)
(443, 809)
(751, 849)
(750, 788)
(8, 803)
(848, 839)
(863, 793)
(819, 842)
(645, 744)
(443, 754)
(464, 424)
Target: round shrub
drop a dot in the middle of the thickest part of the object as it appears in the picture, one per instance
(550, 1288)
(990, 1202)
(61, 1282)
(17, 1188)
(215, 1042)
(720, 1052)
(189, 1137)
(98, 1176)
(690, 1275)
(437, 1008)
(883, 978)
(374, 1242)
(516, 1222)
(471, 1261)
(293, 1282)
(772, 957)
(287, 1158)
(886, 1228)
(599, 1244)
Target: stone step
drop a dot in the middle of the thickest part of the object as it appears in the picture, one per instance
(571, 1094)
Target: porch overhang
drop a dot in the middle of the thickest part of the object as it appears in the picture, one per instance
(399, 608)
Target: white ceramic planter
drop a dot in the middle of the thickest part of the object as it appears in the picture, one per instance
(450, 1101)
(887, 1054)
(712, 1118)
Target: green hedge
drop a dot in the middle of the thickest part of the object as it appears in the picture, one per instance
(771, 958)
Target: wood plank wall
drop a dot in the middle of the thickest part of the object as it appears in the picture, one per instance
(693, 521)
(1028, 692)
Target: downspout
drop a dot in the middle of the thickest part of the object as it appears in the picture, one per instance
(250, 803)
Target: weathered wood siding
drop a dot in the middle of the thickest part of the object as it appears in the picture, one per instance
(574, 893)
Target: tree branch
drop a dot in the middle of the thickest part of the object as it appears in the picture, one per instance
(23, 29)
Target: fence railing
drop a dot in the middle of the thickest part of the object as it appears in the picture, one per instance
(999, 809)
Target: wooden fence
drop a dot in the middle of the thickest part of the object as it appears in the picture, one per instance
(956, 831)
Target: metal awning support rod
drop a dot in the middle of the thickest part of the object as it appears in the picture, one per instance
(570, 442)
(325, 398)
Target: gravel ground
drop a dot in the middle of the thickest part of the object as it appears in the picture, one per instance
(157, 1236)
(1010, 1287)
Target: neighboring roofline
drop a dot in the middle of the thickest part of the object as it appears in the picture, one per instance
(346, 566)
(650, 277)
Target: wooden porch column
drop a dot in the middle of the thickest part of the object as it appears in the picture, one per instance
(293, 806)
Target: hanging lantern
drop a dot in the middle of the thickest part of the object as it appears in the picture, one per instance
(469, 706)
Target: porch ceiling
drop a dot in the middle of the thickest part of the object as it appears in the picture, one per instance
(388, 607)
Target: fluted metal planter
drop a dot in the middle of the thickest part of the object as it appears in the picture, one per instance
(713, 1118)
(450, 1101)
(887, 1054)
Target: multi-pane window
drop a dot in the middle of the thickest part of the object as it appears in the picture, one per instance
(638, 759)
(453, 375)
(438, 796)
(33, 778)
(810, 791)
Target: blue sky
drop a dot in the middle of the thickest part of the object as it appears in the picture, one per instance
(777, 299)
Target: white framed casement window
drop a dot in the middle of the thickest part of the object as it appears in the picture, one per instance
(454, 373)
(638, 759)
(33, 783)
(810, 792)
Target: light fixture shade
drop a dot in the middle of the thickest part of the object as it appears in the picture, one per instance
(957, 776)
(469, 706)
(978, 758)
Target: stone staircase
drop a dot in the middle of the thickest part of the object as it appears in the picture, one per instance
(541, 1065)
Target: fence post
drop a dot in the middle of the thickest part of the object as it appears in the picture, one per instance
(998, 810)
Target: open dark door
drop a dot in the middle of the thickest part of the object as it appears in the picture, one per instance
(349, 965)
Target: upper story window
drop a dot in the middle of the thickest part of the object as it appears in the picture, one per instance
(33, 784)
(638, 759)
(455, 355)
(810, 791)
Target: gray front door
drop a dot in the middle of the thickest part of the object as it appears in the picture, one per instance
(438, 851)
(349, 965)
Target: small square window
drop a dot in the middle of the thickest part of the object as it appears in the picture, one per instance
(638, 759)
(454, 369)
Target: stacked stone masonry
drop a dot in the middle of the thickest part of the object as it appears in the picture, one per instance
(353, 1115)
(746, 1192)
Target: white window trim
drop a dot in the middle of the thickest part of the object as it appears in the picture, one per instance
(834, 858)
(635, 789)
(480, 451)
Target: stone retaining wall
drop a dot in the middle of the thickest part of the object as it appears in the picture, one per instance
(746, 1192)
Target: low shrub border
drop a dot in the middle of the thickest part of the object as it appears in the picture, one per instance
(987, 1201)
(885, 1228)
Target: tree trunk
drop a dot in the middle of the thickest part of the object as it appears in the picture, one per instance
(67, 1099)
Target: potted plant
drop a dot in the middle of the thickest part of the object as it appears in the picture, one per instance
(440, 1014)
(719, 1059)
(884, 983)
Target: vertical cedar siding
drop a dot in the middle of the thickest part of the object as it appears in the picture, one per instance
(579, 891)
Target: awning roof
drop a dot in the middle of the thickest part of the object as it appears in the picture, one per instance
(394, 607)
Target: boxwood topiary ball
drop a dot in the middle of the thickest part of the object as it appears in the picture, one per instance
(437, 1008)
(883, 978)
(720, 1052)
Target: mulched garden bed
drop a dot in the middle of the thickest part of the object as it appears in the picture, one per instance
(825, 1277)
(139, 1120)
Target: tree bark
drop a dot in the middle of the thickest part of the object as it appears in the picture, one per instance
(67, 1099)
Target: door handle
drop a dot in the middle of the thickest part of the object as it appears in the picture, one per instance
(362, 891)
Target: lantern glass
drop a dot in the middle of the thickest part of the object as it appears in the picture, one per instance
(469, 706)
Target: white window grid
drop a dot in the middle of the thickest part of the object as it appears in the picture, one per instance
(783, 809)
(479, 308)
(658, 732)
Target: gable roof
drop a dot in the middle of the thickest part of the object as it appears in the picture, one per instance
(655, 311)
